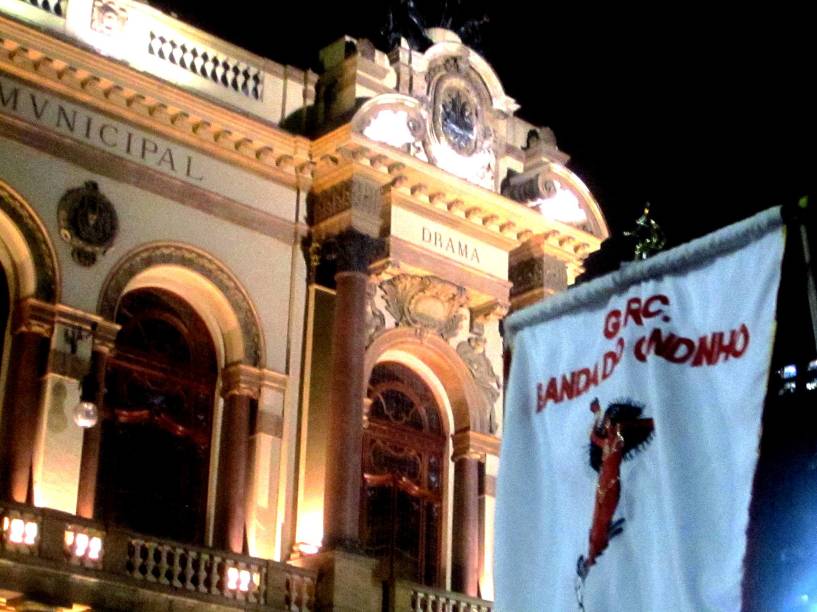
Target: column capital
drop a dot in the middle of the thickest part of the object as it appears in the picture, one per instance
(469, 444)
(352, 251)
(241, 379)
(354, 202)
(34, 316)
(105, 336)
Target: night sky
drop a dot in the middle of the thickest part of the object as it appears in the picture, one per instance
(701, 113)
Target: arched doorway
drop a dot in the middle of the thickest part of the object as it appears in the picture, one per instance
(158, 415)
(403, 465)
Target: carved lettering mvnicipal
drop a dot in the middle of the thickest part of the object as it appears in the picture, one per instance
(95, 130)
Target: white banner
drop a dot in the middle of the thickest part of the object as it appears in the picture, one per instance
(631, 432)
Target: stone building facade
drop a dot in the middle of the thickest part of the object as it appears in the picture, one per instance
(283, 294)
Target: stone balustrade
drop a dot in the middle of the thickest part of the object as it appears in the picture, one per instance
(44, 543)
(155, 43)
(411, 597)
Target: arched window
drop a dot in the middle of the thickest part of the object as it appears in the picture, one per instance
(403, 459)
(158, 412)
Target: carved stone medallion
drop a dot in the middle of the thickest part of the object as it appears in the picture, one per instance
(425, 302)
(88, 222)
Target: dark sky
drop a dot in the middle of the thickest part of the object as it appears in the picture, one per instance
(702, 113)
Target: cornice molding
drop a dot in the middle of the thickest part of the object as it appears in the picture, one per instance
(87, 78)
(454, 201)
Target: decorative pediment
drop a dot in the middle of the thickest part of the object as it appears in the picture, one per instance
(452, 125)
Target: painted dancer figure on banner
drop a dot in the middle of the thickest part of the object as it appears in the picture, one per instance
(617, 435)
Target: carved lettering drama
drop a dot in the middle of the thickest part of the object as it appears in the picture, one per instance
(450, 245)
(97, 131)
(696, 350)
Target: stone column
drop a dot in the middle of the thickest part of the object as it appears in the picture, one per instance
(104, 336)
(33, 324)
(465, 541)
(470, 449)
(240, 386)
(352, 252)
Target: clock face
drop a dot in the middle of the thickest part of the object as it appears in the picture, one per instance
(458, 120)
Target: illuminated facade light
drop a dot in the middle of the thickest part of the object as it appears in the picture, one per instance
(18, 531)
(31, 531)
(241, 579)
(232, 578)
(82, 547)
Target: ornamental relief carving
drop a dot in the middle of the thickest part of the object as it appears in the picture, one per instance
(452, 125)
(108, 17)
(425, 302)
(88, 223)
(472, 352)
(375, 319)
(357, 193)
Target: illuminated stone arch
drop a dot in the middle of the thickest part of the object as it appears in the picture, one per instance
(205, 283)
(26, 252)
(434, 360)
